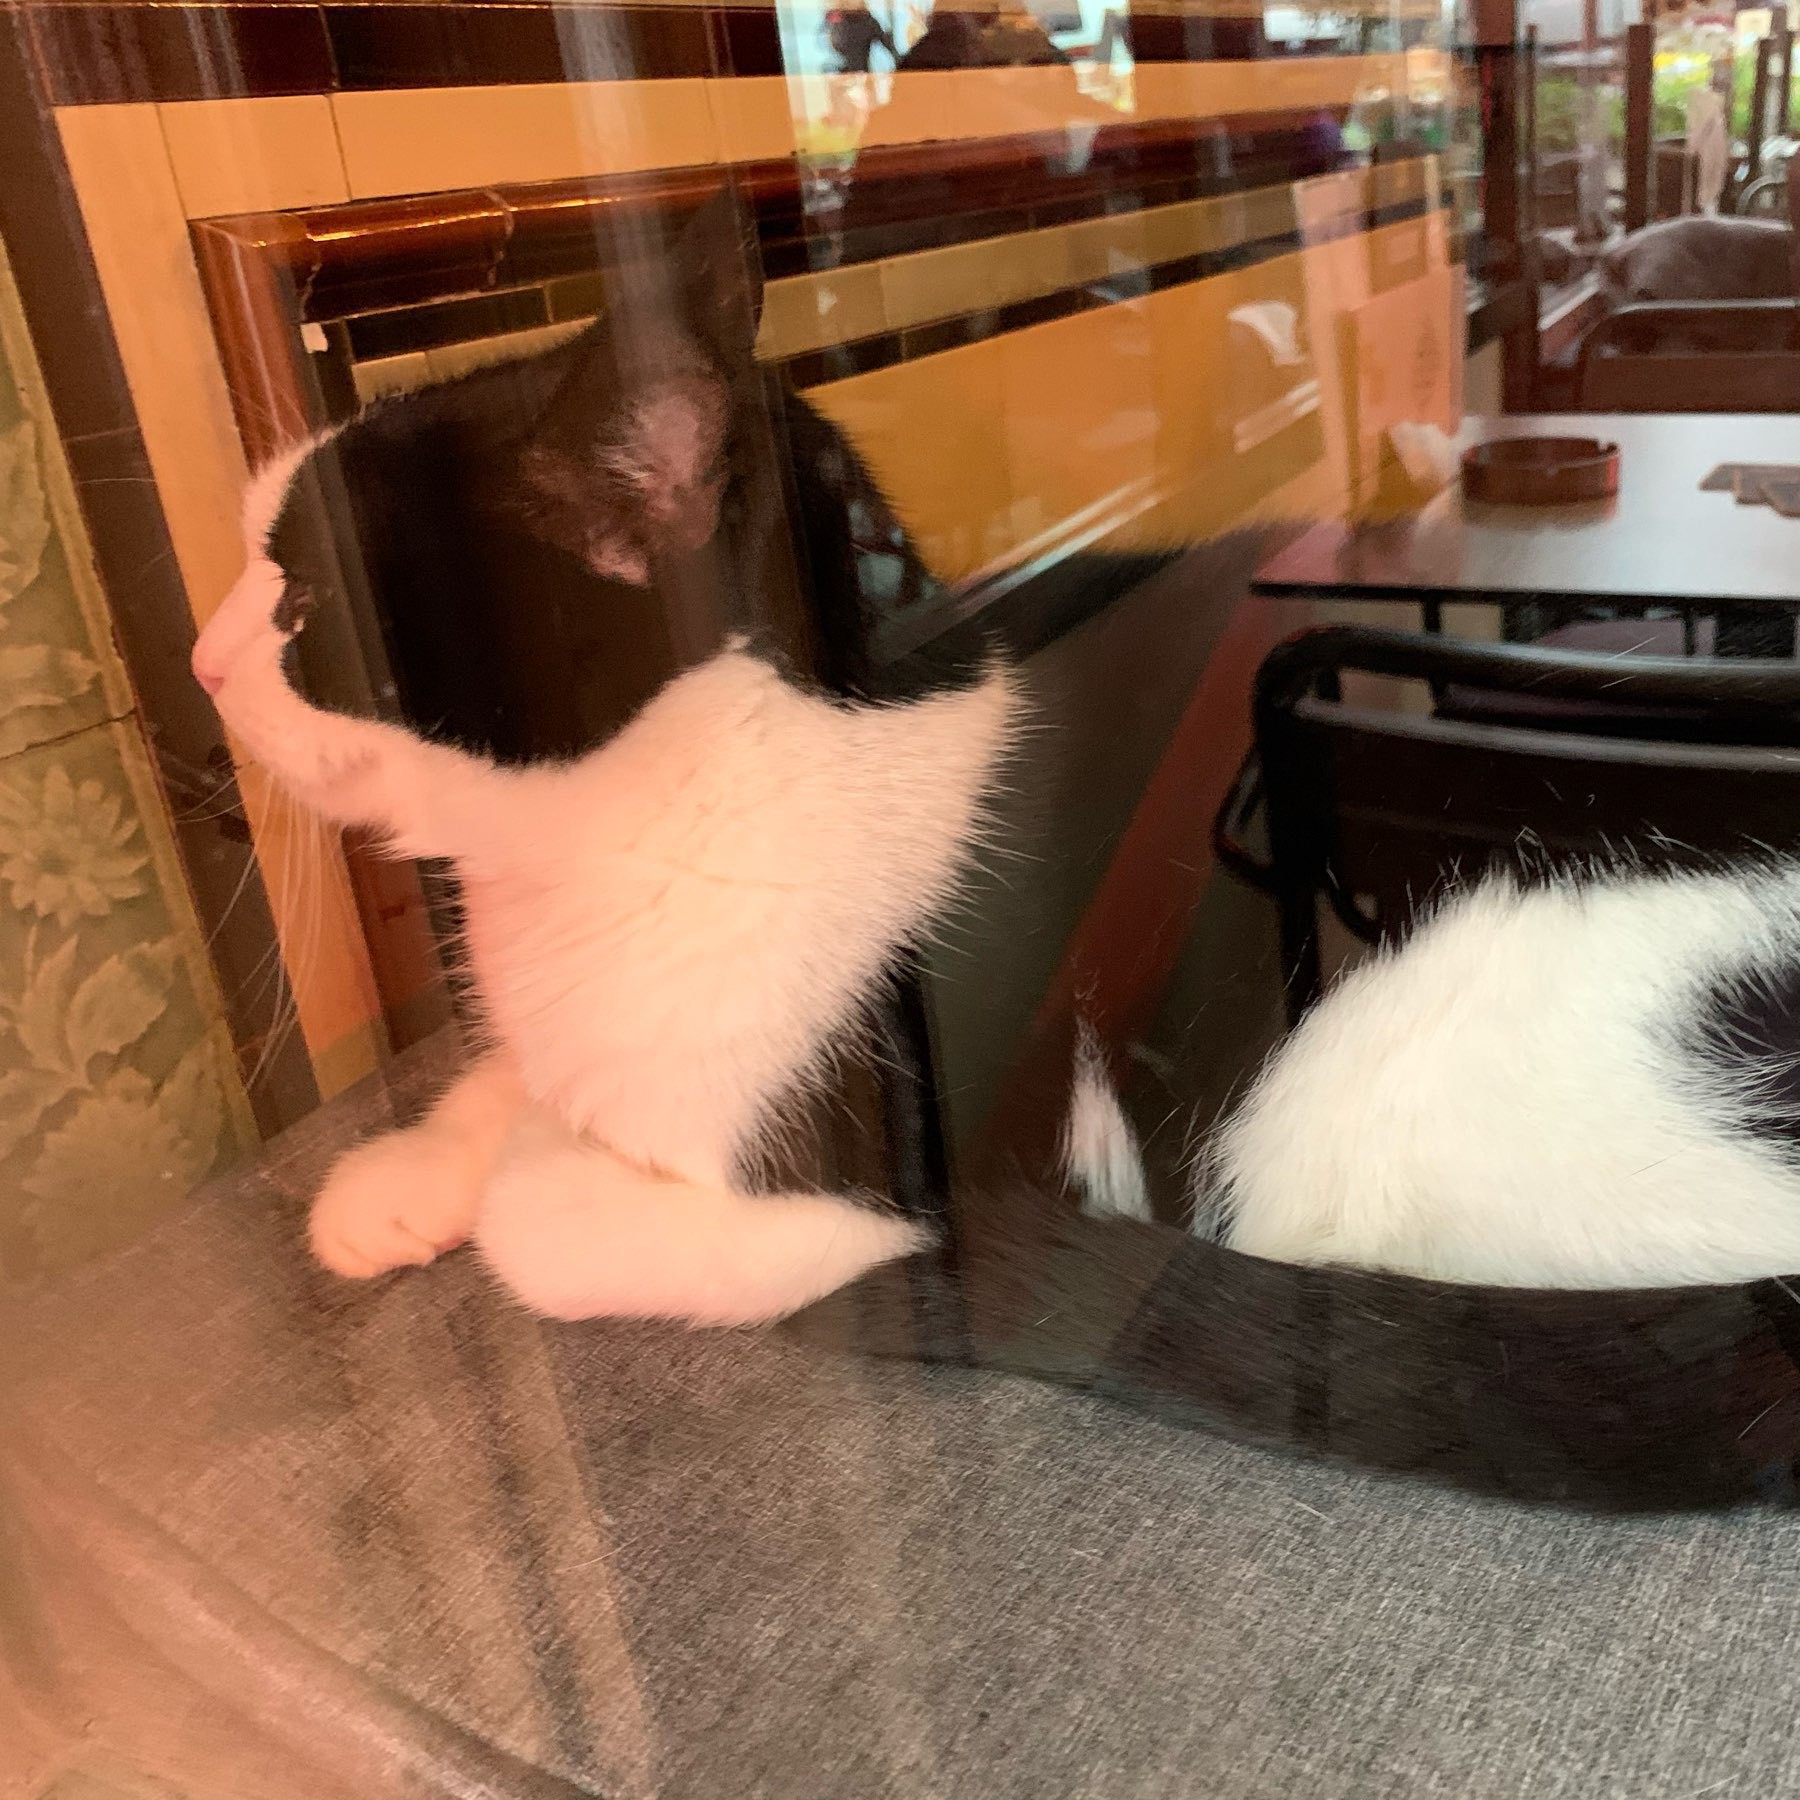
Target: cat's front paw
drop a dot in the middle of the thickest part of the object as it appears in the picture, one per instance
(396, 1201)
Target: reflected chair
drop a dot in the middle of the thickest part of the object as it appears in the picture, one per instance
(1370, 811)
(1723, 356)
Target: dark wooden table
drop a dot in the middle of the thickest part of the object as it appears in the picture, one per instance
(1661, 542)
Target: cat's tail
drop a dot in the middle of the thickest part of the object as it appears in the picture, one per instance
(1100, 1150)
(1615, 1400)
(575, 1232)
(1611, 1400)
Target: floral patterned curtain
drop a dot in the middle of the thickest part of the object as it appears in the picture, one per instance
(118, 1083)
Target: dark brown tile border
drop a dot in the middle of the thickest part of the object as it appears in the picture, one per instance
(747, 40)
(398, 46)
(93, 54)
(1178, 37)
(96, 51)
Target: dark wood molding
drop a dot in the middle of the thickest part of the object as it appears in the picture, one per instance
(253, 286)
(365, 256)
(404, 275)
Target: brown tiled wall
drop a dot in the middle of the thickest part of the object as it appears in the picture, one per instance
(97, 53)
(966, 297)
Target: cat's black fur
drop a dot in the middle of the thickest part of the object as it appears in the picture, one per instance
(1612, 1400)
(1746, 1042)
(465, 508)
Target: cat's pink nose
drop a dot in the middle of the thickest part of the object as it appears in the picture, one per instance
(208, 677)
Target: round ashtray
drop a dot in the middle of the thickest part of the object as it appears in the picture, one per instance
(1541, 471)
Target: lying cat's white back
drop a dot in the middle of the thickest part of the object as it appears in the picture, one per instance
(1522, 1095)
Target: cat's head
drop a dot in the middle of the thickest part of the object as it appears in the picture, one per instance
(514, 560)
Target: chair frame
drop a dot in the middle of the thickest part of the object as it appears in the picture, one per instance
(1763, 376)
(1750, 710)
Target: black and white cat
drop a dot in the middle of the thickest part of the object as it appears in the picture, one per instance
(1516, 1207)
(684, 874)
(1590, 1082)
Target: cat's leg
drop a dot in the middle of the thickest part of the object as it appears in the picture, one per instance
(409, 1195)
(575, 1233)
(427, 798)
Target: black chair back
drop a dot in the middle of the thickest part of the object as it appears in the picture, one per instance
(1372, 810)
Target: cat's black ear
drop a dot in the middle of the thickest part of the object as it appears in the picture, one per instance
(718, 264)
(627, 464)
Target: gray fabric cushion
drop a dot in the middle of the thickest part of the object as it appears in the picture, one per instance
(262, 1533)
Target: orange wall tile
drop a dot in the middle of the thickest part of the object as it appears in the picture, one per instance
(990, 449)
(233, 156)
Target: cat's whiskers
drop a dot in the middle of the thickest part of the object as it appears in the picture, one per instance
(322, 842)
(271, 965)
(150, 563)
(204, 812)
(272, 428)
(262, 972)
(290, 968)
(242, 886)
(272, 968)
(265, 970)
(216, 792)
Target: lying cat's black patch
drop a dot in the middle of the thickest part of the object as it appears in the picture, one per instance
(1745, 1035)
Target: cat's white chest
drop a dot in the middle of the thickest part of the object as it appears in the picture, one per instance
(667, 932)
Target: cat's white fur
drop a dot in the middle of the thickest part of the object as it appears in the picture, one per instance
(1100, 1149)
(666, 934)
(1507, 1100)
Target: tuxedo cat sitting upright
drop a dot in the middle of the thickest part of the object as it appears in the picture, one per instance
(682, 873)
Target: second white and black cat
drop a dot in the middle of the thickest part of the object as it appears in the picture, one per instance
(684, 875)
(1585, 1082)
